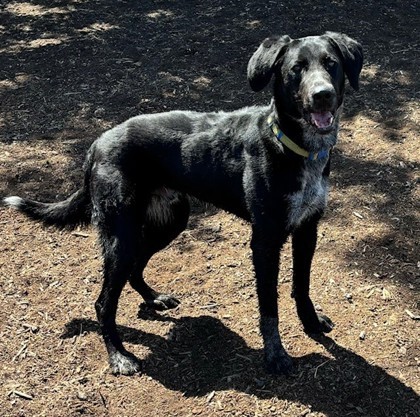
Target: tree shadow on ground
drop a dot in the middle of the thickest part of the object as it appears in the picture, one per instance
(382, 187)
(201, 355)
(83, 67)
(68, 65)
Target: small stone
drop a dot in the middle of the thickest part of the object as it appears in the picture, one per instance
(362, 335)
(81, 395)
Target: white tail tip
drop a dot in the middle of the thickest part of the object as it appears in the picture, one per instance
(14, 201)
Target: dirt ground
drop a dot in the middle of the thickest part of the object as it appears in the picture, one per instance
(71, 69)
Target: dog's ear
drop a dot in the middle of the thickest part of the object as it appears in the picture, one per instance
(261, 64)
(351, 54)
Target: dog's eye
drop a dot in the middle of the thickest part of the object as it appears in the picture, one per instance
(330, 63)
(297, 68)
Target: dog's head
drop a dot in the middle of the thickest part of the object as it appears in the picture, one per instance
(308, 75)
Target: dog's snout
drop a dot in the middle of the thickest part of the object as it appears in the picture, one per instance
(323, 96)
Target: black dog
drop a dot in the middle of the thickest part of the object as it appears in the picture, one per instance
(268, 165)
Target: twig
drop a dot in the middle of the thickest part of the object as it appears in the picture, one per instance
(21, 350)
(244, 357)
(357, 214)
(23, 395)
(208, 306)
(319, 366)
(404, 50)
(103, 399)
(81, 234)
(413, 316)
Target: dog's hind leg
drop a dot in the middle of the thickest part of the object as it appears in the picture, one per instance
(166, 217)
(118, 232)
(304, 242)
(131, 230)
(119, 212)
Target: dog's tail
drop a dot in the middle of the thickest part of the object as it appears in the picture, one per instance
(67, 214)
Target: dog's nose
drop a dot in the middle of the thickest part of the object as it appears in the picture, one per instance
(323, 96)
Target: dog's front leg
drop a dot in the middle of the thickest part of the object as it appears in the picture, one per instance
(304, 242)
(266, 252)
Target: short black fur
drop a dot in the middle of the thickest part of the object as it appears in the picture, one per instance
(138, 177)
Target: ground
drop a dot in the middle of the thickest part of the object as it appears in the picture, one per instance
(70, 70)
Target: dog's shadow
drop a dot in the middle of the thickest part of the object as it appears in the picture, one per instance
(201, 355)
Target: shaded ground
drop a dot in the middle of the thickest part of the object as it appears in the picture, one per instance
(69, 70)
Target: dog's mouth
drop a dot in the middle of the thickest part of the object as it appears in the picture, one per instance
(322, 121)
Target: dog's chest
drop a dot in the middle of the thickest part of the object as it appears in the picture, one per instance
(312, 195)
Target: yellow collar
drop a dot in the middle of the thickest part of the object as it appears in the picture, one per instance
(292, 145)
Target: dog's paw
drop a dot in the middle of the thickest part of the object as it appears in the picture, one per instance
(322, 324)
(279, 364)
(124, 363)
(163, 302)
(325, 323)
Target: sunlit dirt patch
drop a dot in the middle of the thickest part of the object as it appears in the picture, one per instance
(35, 10)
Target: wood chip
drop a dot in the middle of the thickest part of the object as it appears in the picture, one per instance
(31, 327)
(81, 234)
(23, 395)
(209, 306)
(386, 295)
(244, 357)
(211, 396)
(358, 215)
(412, 315)
(21, 350)
(370, 293)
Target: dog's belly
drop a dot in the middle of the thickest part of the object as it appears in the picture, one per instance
(308, 201)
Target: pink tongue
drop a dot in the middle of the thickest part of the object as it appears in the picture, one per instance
(322, 120)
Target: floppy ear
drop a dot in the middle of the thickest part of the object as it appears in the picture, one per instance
(351, 53)
(261, 64)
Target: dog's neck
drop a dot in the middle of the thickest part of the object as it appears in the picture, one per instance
(303, 134)
(288, 143)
